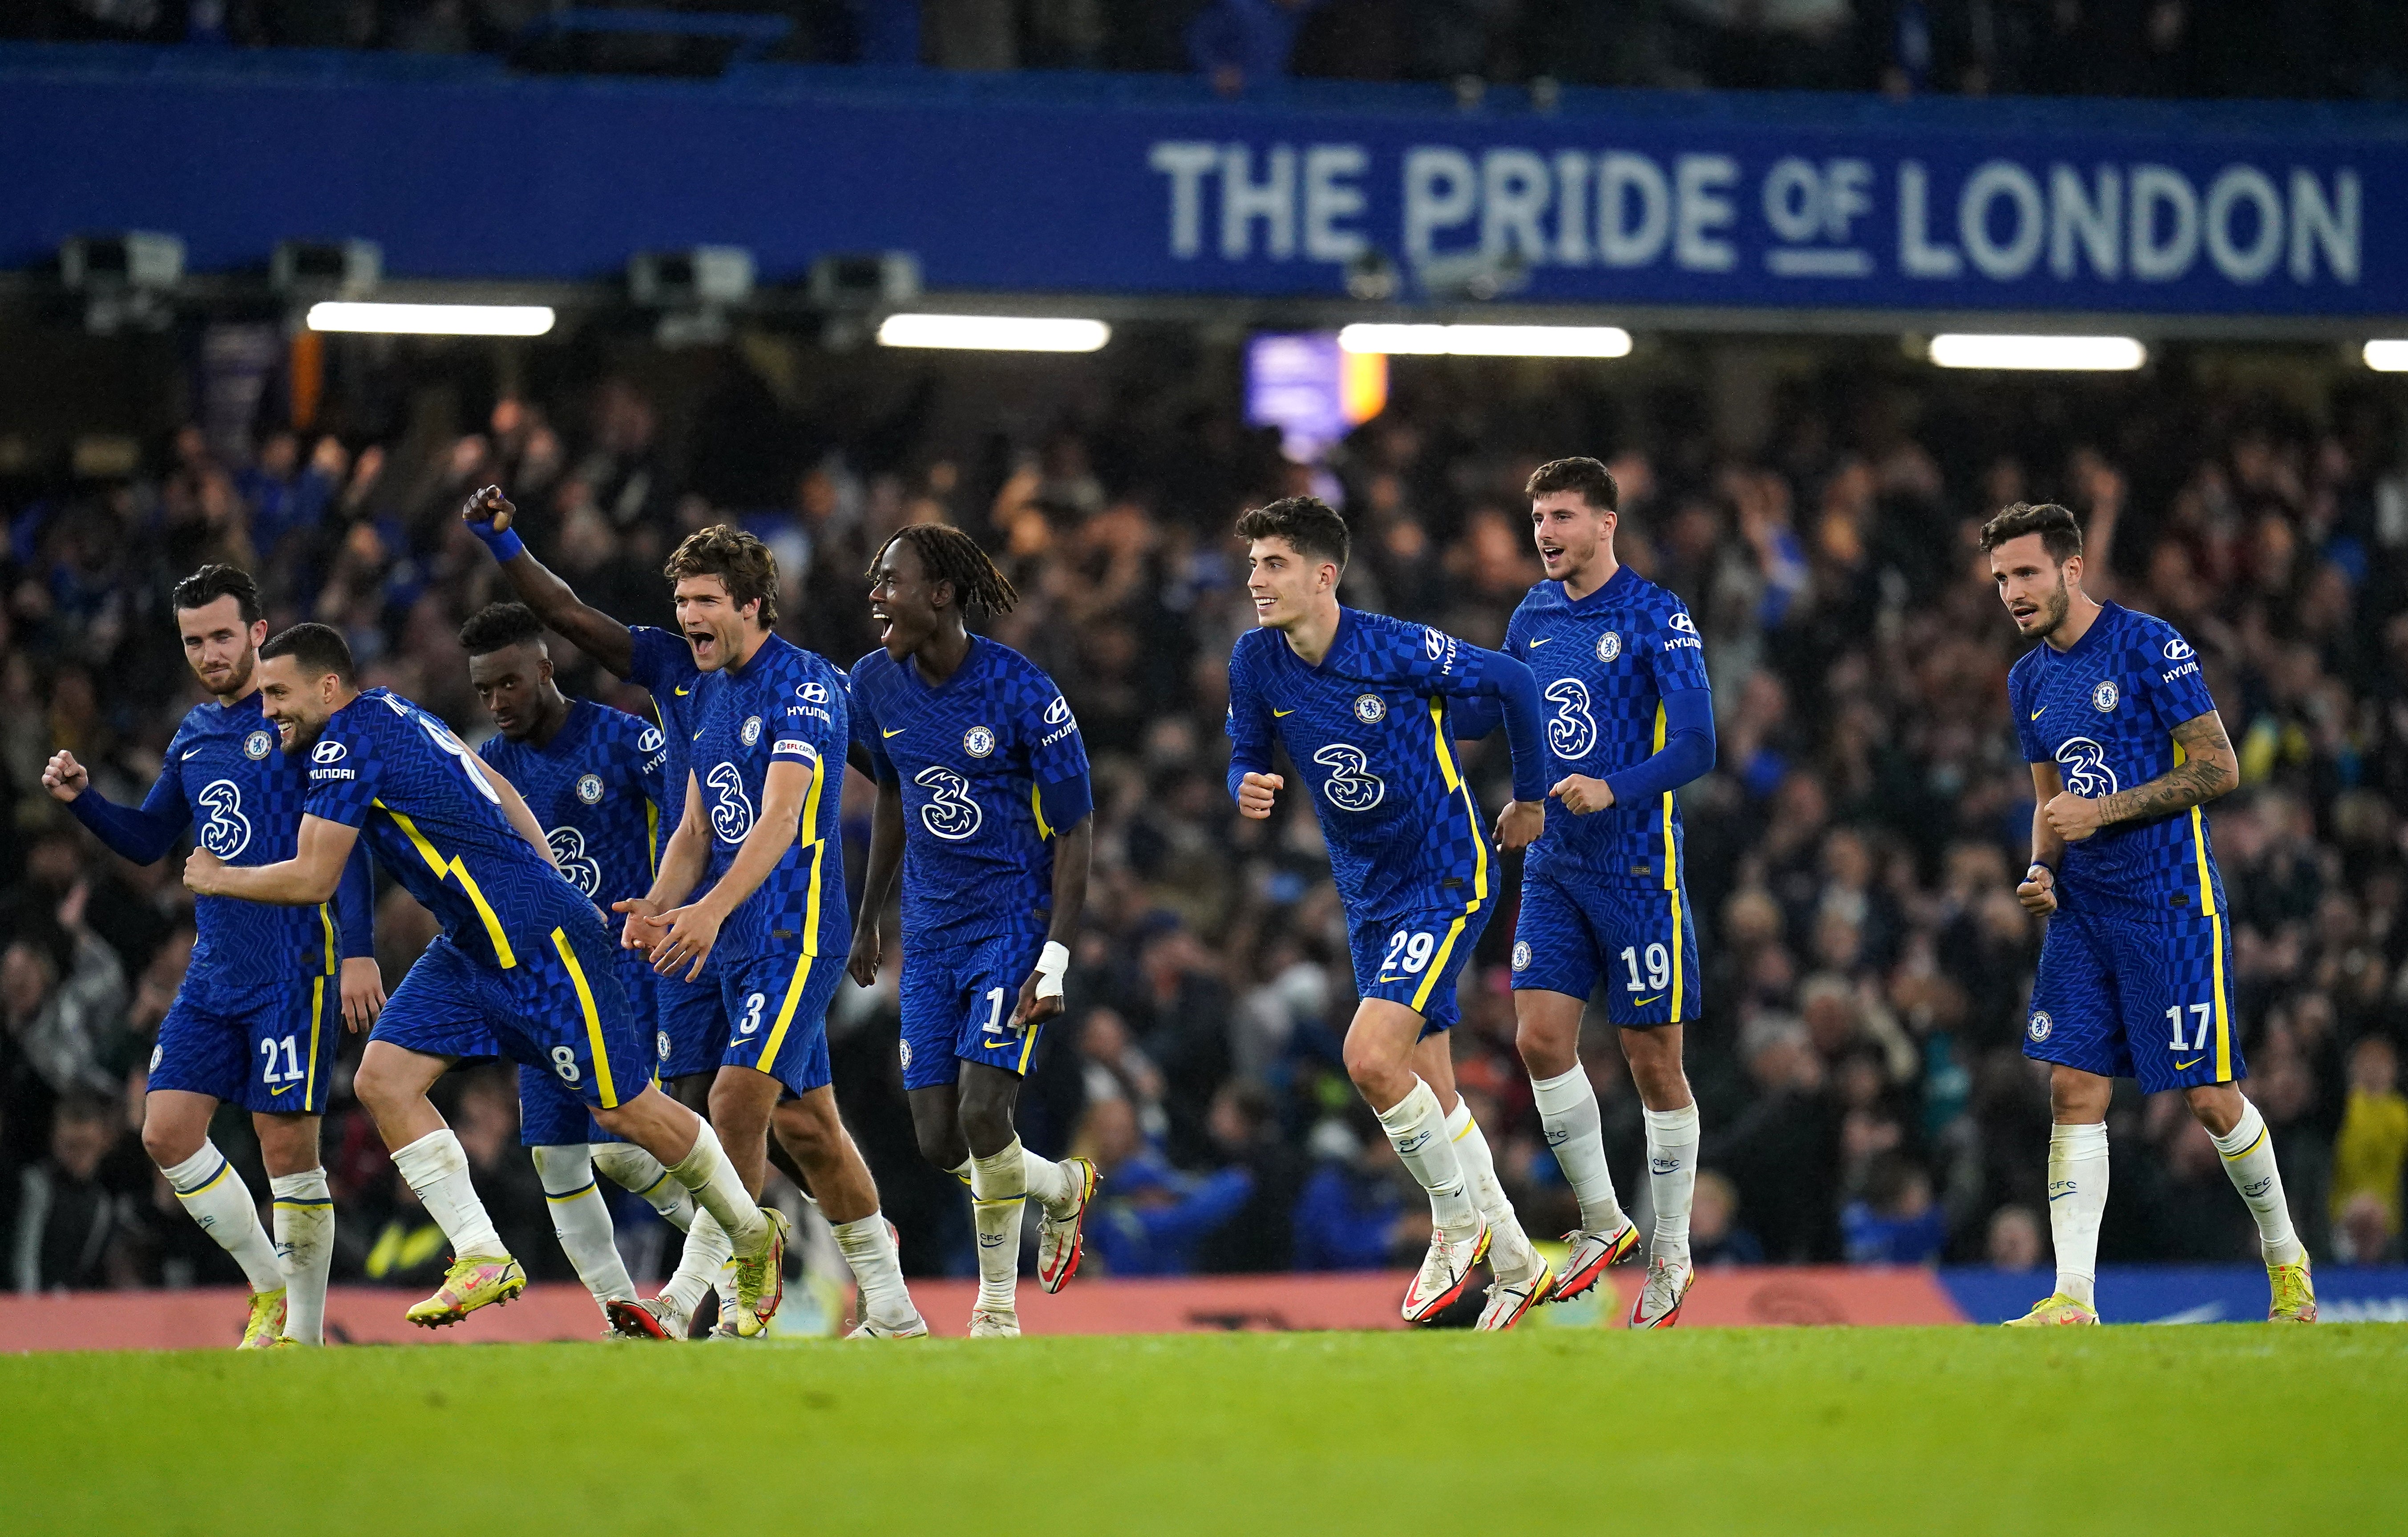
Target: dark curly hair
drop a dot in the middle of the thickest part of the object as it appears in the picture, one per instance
(498, 625)
(949, 555)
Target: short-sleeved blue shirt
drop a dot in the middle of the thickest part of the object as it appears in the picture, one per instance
(2103, 710)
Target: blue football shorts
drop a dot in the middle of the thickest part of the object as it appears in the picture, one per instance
(957, 1001)
(1416, 958)
(268, 1048)
(2132, 994)
(1640, 941)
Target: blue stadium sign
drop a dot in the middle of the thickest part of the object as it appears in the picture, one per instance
(1104, 185)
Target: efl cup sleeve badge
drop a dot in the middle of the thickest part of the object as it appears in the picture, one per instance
(978, 741)
(1609, 646)
(751, 732)
(2039, 1027)
(256, 746)
(1370, 709)
(2103, 697)
(589, 788)
(1521, 955)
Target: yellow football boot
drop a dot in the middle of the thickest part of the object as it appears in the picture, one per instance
(760, 1281)
(467, 1285)
(2055, 1308)
(2295, 1292)
(265, 1329)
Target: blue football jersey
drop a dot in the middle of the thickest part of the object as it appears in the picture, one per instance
(663, 667)
(784, 706)
(422, 803)
(2103, 710)
(227, 771)
(1604, 665)
(991, 765)
(597, 789)
(1369, 731)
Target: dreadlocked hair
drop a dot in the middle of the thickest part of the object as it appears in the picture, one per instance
(949, 555)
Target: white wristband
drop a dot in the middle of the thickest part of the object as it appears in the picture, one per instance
(1051, 964)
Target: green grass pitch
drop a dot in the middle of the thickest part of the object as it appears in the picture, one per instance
(2192, 1430)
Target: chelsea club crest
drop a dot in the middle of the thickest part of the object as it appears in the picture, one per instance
(1370, 709)
(751, 732)
(2039, 1027)
(256, 746)
(2103, 697)
(978, 741)
(1609, 646)
(589, 788)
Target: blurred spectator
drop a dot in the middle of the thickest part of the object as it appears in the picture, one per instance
(2371, 1149)
(2015, 1239)
(1895, 1222)
(66, 1220)
(1715, 1237)
(1351, 1214)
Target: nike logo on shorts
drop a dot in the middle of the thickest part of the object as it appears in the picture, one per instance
(896, 732)
(1643, 1003)
(2185, 1067)
(1282, 713)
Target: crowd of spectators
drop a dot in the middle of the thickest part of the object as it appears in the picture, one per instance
(2159, 48)
(1852, 857)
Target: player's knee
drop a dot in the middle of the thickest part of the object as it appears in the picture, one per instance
(1545, 1053)
(169, 1143)
(943, 1147)
(1376, 1075)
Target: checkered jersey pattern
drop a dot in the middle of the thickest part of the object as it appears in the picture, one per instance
(1371, 735)
(227, 773)
(1604, 663)
(597, 789)
(785, 705)
(991, 765)
(664, 666)
(422, 803)
(2103, 710)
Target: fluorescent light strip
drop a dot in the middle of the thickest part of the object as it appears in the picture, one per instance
(2388, 357)
(993, 333)
(2082, 353)
(433, 319)
(1488, 341)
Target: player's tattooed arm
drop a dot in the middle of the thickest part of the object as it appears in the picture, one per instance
(488, 515)
(305, 880)
(2038, 890)
(885, 858)
(2209, 769)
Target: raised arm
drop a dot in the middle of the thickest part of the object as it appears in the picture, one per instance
(488, 515)
(143, 835)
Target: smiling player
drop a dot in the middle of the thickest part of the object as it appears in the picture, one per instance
(523, 961)
(251, 1024)
(984, 800)
(2125, 747)
(1603, 897)
(1362, 703)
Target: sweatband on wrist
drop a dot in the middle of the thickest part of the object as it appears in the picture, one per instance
(1051, 963)
(506, 544)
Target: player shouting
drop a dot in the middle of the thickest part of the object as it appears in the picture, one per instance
(2125, 747)
(1362, 703)
(253, 1023)
(762, 826)
(1603, 897)
(980, 769)
(592, 777)
(524, 960)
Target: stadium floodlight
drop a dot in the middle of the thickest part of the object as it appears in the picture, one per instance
(993, 333)
(1488, 341)
(2085, 354)
(432, 319)
(2387, 356)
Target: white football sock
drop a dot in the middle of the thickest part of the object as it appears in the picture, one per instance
(580, 1219)
(436, 1167)
(706, 1171)
(1672, 1177)
(1575, 1132)
(631, 1168)
(999, 1196)
(221, 1203)
(1417, 1128)
(2248, 1152)
(305, 1241)
(1047, 1181)
(2077, 1199)
(706, 1255)
(962, 1171)
(870, 1249)
(1478, 1164)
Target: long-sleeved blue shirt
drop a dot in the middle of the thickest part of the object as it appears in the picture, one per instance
(227, 777)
